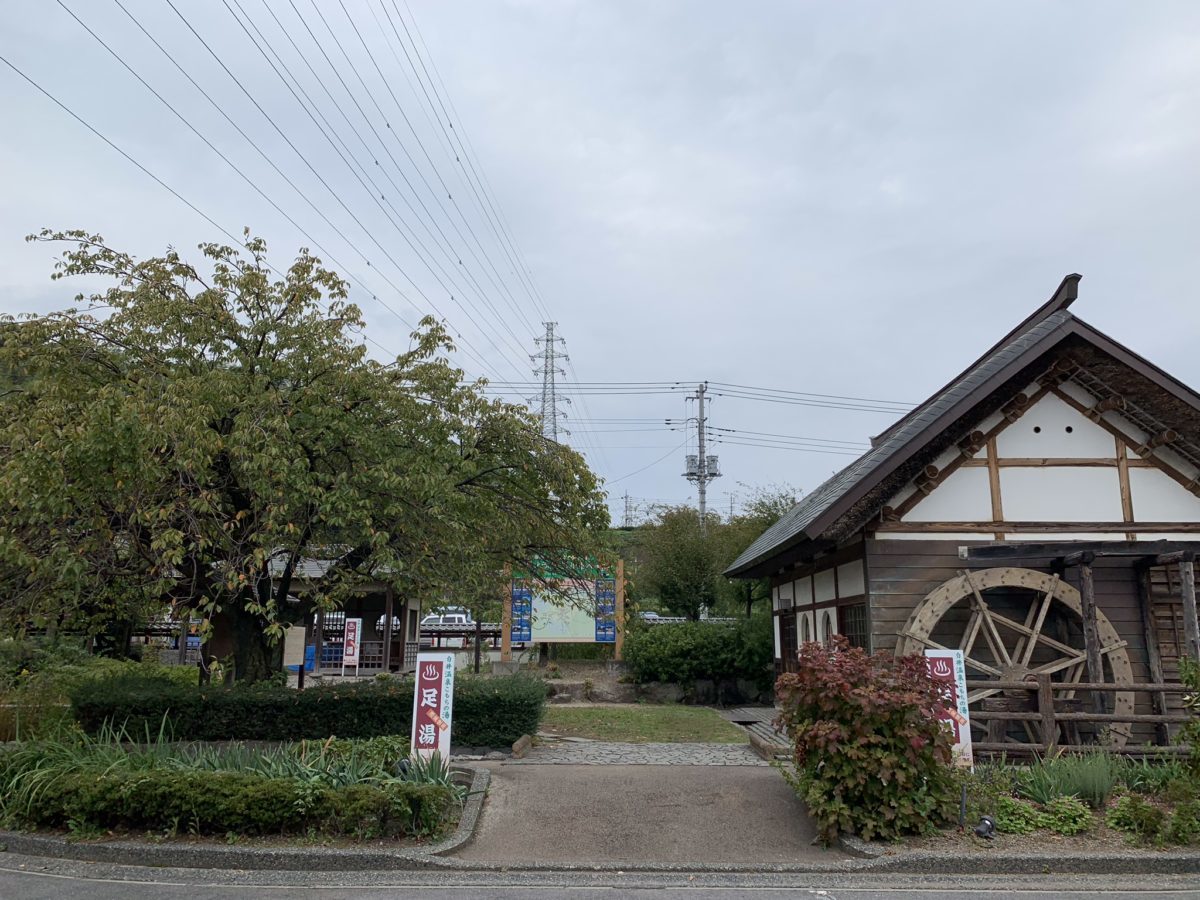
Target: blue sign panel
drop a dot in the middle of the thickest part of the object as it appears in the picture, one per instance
(522, 615)
(606, 611)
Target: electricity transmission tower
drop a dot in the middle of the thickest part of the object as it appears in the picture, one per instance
(700, 467)
(627, 519)
(547, 404)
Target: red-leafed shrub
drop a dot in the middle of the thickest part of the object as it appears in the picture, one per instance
(871, 757)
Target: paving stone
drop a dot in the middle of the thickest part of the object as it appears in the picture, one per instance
(611, 753)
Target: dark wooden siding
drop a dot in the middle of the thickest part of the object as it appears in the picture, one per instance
(902, 573)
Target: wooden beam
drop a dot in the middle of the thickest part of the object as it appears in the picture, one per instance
(1177, 556)
(506, 618)
(619, 646)
(319, 642)
(993, 461)
(1158, 700)
(1091, 632)
(1191, 628)
(1013, 527)
(388, 601)
(1079, 557)
(1031, 549)
(1159, 440)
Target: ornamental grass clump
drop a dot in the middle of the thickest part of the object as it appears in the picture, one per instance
(871, 757)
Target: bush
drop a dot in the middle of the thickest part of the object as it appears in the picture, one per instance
(1152, 776)
(1184, 826)
(1136, 817)
(1015, 816)
(871, 757)
(488, 712)
(683, 652)
(1067, 815)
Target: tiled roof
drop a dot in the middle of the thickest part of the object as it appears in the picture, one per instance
(794, 524)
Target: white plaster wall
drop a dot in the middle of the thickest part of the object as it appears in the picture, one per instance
(786, 595)
(1061, 495)
(804, 628)
(803, 591)
(778, 644)
(963, 497)
(1159, 498)
(1039, 537)
(1042, 432)
(823, 586)
(826, 623)
(850, 579)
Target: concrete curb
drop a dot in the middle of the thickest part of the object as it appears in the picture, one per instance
(318, 859)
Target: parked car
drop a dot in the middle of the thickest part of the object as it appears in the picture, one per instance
(461, 619)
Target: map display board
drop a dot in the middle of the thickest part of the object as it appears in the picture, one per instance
(565, 611)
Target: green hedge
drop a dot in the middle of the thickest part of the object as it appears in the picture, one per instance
(198, 802)
(488, 712)
(683, 652)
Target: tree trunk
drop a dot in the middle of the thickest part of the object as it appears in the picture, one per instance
(240, 635)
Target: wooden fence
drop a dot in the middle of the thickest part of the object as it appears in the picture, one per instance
(1035, 702)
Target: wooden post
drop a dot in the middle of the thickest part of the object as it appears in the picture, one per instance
(1191, 628)
(478, 644)
(1158, 700)
(1046, 707)
(389, 599)
(619, 646)
(319, 642)
(506, 619)
(1091, 633)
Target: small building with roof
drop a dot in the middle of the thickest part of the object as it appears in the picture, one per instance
(1040, 512)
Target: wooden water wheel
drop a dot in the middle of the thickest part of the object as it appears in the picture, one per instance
(1013, 624)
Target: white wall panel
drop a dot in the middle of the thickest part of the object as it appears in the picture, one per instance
(804, 591)
(778, 644)
(826, 623)
(963, 497)
(851, 582)
(1159, 498)
(1051, 428)
(823, 586)
(804, 628)
(1061, 494)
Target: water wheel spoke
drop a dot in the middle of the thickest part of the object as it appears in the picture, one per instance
(971, 633)
(1019, 651)
(977, 695)
(1059, 664)
(1043, 608)
(934, 645)
(1037, 636)
(990, 632)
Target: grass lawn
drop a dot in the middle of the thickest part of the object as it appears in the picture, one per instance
(642, 724)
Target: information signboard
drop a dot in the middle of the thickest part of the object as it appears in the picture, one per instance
(350, 642)
(433, 705)
(946, 667)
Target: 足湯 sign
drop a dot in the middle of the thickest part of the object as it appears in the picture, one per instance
(433, 705)
(351, 641)
(946, 667)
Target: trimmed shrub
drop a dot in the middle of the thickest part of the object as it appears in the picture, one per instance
(1014, 816)
(1137, 818)
(1067, 815)
(203, 802)
(488, 712)
(871, 756)
(684, 652)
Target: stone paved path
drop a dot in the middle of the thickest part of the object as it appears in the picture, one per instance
(610, 753)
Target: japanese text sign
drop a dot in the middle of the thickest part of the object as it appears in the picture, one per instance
(947, 669)
(353, 638)
(433, 704)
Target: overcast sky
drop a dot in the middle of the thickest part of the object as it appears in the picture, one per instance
(843, 198)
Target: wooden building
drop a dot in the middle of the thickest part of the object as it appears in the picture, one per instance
(1040, 512)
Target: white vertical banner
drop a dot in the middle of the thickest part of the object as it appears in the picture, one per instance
(433, 705)
(350, 643)
(947, 668)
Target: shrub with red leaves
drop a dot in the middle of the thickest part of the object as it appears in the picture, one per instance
(871, 757)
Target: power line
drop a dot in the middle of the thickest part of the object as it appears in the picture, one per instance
(674, 449)
(337, 196)
(147, 172)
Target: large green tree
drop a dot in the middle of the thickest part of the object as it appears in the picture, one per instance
(680, 564)
(198, 431)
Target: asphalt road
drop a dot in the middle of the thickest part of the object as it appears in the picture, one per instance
(29, 878)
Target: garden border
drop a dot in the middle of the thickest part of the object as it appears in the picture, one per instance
(193, 856)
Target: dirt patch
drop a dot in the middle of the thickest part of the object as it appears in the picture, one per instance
(1100, 839)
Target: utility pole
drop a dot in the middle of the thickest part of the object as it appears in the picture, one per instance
(627, 521)
(701, 468)
(547, 404)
